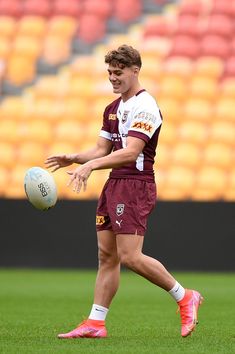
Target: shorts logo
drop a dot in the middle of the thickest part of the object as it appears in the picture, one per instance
(120, 209)
(124, 117)
(142, 126)
(100, 220)
(112, 116)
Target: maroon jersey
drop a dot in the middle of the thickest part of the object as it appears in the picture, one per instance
(139, 117)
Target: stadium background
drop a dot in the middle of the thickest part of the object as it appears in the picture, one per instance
(54, 88)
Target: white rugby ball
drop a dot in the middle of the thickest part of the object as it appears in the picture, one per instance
(40, 188)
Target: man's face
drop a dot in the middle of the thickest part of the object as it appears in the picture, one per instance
(122, 79)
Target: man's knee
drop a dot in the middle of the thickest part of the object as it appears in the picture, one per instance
(129, 259)
(107, 257)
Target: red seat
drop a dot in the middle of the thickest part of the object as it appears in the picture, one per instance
(229, 67)
(158, 26)
(10, 8)
(194, 7)
(102, 8)
(213, 45)
(223, 7)
(127, 10)
(91, 28)
(67, 8)
(218, 24)
(185, 46)
(188, 24)
(40, 8)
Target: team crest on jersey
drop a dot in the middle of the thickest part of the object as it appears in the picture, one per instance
(120, 209)
(124, 116)
(112, 116)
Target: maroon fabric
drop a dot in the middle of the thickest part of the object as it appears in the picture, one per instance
(124, 206)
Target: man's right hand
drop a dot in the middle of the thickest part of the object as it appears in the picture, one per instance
(57, 161)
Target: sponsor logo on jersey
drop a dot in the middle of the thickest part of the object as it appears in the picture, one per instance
(124, 116)
(120, 209)
(147, 117)
(112, 116)
(100, 220)
(142, 126)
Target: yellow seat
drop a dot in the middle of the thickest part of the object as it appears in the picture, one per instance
(31, 153)
(15, 187)
(7, 154)
(57, 148)
(173, 86)
(180, 178)
(64, 26)
(228, 88)
(9, 131)
(203, 87)
(31, 25)
(210, 184)
(223, 132)
(5, 47)
(4, 180)
(198, 109)
(69, 130)
(178, 66)
(36, 130)
(186, 154)
(55, 50)
(48, 108)
(225, 108)
(193, 131)
(27, 46)
(171, 108)
(218, 154)
(229, 193)
(20, 69)
(7, 26)
(13, 108)
(168, 133)
(50, 86)
(77, 108)
(209, 66)
(163, 156)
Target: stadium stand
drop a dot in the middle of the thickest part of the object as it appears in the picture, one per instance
(51, 68)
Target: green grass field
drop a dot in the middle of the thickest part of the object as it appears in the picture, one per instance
(35, 305)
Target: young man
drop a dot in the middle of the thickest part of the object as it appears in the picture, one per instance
(127, 144)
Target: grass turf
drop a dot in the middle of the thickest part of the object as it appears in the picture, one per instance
(35, 305)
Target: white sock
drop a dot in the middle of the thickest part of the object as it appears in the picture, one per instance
(98, 312)
(177, 292)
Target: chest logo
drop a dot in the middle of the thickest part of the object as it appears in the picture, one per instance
(124, 116)
(112, 116)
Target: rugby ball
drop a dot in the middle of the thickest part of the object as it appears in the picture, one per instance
(40, 188)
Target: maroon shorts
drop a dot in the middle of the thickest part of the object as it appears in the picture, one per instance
(124, 206)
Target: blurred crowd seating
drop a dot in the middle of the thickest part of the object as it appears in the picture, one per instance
(188, 54)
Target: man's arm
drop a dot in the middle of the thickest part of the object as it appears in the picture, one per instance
(102, 148)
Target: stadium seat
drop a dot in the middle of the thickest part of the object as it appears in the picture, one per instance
(219, 24)
(198, 109)
(30, 25)
(209, 66)
(12, 8)
(229, 193)
(50, 86)
(227, 87)
(27, 46)
(7, 154)
(218, 154)
(64, 26)
(69, 130)
(223, 132)
(47, 108)
(39, 8)
(229, 67)
(210, 184)
(188, 25)
(102, 9)
(223, 7)
(55, 50)
(225, 108)
(15, 183)
(120, 10)
(8, 26)
(31, 153)
(186, 46)
(163, 156)
(178, 178)
(192, 7)
(168, 133)
(5, 49)
(215, 45)
(37, 130)
(171, 108)
(173, 86)
(156, 26)
(4, 180)
(180, 66)
(20, 69)
(76, 108)
(57, 147)
(203, 87)
(9, 131)
(68, 8)
(193, 131)
(91, 28)
(13, 108)
(186, 154)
